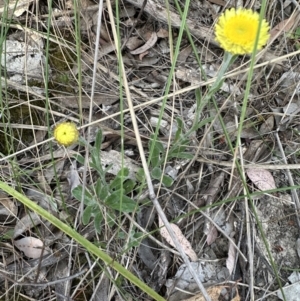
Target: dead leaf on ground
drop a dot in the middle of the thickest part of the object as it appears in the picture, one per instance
(73, 176)
(262, 178)
(237, 297)
(127, 11)
(267, 126)
(230, 261)
(184, 54)
(8, 208)
(32, 247)
(283, 26)
(212, 235)
(187, 248)
(162, 33)
(149, 44)
(214, 293)
(298, 246)
(17, 8)
(115, 160)
(142, 55)
(26, 223)
(134, 42)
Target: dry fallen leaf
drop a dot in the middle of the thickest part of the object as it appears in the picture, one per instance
(212, 235)
(231, 255)
(184, 54)
(237, 297)
(8, 207)
(149, 44)
(134, 42)
(115, 160)
(283, 26)
(262, 178)
(142, 55)
(214, 293)
(298, 246)
(163, 33)
(186, 246)
(32, 247)
(73, 176)
(25, 223)
(267, 126)
(17, 8)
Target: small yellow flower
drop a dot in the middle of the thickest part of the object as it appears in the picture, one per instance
(66, 133)
(236, 31)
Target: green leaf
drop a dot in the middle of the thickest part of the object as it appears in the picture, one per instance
(140, 175)
(173, 153)
(179, 147)
(107, 168)
(125, 205)
(156, 173)
(157, 144)
(145, 202)
(111, 219)
(158, 148)
(98, 186)
(101, 189)
(297, 33)
(198, 96)
(98, 141)
(167, 181)
(179, 131)
(184, 155)
(122, 235)
(128, 186)
(104, 193)
(88, 198)
(82, 142)
(294, 35)
(96, 161)
(123, 173)
(115, 184)
(9, 234)
(87, 214)
(136, 239)
(155, 157)
(79, 159)
(93, 166)
(98, 221)
(204, 122)
(120, 178)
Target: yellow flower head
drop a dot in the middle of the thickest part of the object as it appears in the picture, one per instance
(66, 133)
(236, 31)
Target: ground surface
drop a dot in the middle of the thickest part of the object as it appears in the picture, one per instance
(243, 241)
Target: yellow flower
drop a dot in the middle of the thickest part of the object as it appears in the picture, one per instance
(236, 31)
(66, 133)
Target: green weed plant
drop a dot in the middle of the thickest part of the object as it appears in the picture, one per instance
(109, 194)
